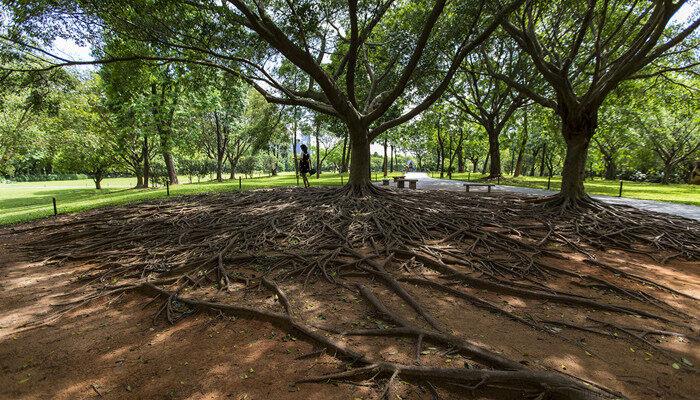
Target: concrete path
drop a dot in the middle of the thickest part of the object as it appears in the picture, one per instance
(682, 210)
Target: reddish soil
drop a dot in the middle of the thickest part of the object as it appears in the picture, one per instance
(113, 349)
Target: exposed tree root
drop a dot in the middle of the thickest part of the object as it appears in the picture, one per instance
(247, 246)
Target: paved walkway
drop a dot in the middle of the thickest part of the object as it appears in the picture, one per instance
(682, 210)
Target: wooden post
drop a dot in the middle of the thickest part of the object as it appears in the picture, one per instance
(469, 175)
(620, 194)
(55, 210)
(341, 179)
(167, 188)
(549, 182)
(240, 183)
(498, 180)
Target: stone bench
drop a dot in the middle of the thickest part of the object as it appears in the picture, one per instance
(488, 185)
(400, 183)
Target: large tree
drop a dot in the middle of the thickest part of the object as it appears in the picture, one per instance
(583, 50)
(360, 59)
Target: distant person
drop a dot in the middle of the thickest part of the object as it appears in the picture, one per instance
(305, 164)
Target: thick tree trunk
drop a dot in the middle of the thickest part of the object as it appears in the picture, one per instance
(360, 177)
(475, 164)
(98, 181)
(494, 154)
(610, 168)
(139, 180)
(577, 132)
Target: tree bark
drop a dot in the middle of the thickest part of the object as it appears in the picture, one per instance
(343, 159)
(486, 163)
(170, 165)
(494, 153)
(544, 153)
(610, 168)
(318, 150)
(391, 165)
(521, 150)
(146, 163)
(460, 158)
(360, 177)
(386, 161)
(578, 132)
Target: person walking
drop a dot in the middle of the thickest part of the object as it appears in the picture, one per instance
(305, 165)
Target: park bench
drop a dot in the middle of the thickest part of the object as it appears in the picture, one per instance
(397, 178)
(468, 185)
(400, 183)
(385, 182)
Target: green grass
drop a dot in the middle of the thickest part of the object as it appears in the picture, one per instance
(26, 201)
(674, 193)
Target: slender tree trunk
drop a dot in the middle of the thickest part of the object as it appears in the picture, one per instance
(544, 153)
(146, 163)
(294, 147)
(521, 150)
(460, 158)
(486, 163)
(386, 161)
(170, 165)
(343, 163)
(318, 150)
(97, 177)
(475, 164)
(494, 153)
(391, 166)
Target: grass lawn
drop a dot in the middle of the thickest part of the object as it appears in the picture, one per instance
(25, 201)
(675, 193)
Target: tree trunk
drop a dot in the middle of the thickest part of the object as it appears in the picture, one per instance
(219, 169)
(146, 163)
(668, 168)
(460, 158)
(386, 161)
(544, 153)
(294, 148)
(170, 165)
(578, 134)
(494, 154)
(318, 151)
(486, 163)
(610, 168)
(521, 150)
(139, 180)
(475, 164)
(98, 181)
(391, 166)
(343, 161)
(360, 177)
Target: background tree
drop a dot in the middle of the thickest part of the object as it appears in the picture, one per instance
(583, 51)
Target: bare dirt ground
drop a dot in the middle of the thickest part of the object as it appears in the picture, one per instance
(121, 346)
